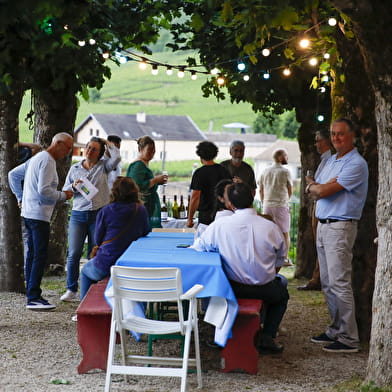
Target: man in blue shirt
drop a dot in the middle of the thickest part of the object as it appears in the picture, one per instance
(340, 190)
(37, 200)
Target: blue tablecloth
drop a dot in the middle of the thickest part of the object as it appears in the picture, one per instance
(160, 249)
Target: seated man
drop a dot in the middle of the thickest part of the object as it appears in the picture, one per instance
(252, 249)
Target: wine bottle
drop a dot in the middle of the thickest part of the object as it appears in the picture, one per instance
(176, 213)
(181, 208)
(164, 209)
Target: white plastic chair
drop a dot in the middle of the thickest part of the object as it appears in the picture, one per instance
(152, 285)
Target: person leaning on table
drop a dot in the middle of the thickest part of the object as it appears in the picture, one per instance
(84, 212)
(118, 224)
(37, 199)
(252, 250)
(340, 190)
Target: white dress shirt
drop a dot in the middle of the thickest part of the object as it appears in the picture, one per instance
(251, 247)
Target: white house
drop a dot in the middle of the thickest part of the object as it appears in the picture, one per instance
(263, 160)
(175, 136)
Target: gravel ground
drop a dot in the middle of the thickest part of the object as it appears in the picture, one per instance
(40, 348)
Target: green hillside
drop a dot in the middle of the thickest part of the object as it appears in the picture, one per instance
(132, 90)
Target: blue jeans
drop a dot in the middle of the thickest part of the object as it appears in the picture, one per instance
(81, 225)
(37, 241)
(90, 274)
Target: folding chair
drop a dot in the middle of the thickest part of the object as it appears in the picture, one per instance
(152, 285)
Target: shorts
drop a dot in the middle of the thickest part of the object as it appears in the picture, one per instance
(281, 216)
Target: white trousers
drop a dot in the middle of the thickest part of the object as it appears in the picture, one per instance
(335, 242)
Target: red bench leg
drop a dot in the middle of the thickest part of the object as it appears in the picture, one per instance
(240, 351)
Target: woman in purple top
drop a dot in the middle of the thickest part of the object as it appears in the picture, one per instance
(119, 223)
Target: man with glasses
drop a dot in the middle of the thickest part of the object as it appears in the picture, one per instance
(323, 147)
(340, 190)
(37, 199)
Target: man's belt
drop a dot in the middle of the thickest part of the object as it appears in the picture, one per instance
(336, 220)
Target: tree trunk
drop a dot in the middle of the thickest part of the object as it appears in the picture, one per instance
(354, 99)
(11, 248)
(306, 112)
(55, 111)
(372, 25)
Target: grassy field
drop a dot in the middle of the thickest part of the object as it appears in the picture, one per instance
(131, 90)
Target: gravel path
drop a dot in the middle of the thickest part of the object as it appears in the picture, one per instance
(37, 348)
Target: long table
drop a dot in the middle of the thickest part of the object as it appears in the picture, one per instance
(160, 249)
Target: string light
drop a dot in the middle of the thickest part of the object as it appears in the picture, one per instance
(332, 22)
(91, 41)
(193, 75)
(266, 75)
(214, 71)
(266, 52)
(220, 80)
(105, 55)
(313, 61)
(143, 64)
(286, 72)
(169, 71)
(81, 43)
(181, 73)
(246, 78)
(327, 56)
(154, 69)
(304, 43)
(241, 66)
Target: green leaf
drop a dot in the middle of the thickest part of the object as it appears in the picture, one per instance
(59, 381)
(289, 53)
(314, 83)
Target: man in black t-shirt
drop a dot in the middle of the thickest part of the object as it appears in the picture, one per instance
(203, 183)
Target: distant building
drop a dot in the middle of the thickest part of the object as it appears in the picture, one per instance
(176, 136)
(264, 159)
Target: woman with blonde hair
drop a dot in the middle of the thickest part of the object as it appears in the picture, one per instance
(118, 224)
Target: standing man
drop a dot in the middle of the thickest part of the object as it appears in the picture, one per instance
(275, 192)
(340, 190)
(323, 147)
(203, 184)
(238, 169)
(252, 249)
(37, 199)
(116, 140)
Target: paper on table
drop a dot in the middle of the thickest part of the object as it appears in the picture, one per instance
(86, 188)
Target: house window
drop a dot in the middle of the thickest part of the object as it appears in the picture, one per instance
(97, 133)
(91, 132)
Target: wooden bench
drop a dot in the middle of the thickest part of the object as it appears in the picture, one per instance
(240, 351)
(94, 317)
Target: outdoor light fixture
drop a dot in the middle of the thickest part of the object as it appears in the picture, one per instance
(286, 72)
(313, 61)
(181, 73)
(304, 43)
(193, 75)
(105, 55)
(327, 56)
(266, 75)
(169, 71)
(246, 78)
(154, 69)
(320, 118)
(143, 64)
(91, 41)
(332, 21)
(241, 66)
(214, 71)
(266, 52)
(81, 43)
(220, 80)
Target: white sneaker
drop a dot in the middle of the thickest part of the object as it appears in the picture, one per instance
(68, 296)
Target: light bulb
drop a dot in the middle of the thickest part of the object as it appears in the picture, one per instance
(320, 118)
(323, 89)
(214, 71)
(81, 43)
(91, 41)
(123, 60)
(266, 75)
(241, 66)
(286, 72)
(304, 43)
(327, 56)
(246, 78)
(193, 75)
(105, 55)
(266, 52)
(169, 71)
(332, 21)
(181, 73)
(143, 65)
(313, 61)
(220, 80)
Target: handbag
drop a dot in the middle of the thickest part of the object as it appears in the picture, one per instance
(96, 247)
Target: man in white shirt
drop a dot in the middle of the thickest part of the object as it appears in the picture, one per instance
(37, 200)
(252, 249)
(116, 140)
(275, 192)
